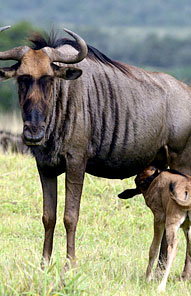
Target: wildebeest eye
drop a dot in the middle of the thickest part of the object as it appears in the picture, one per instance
(186, 195)
(45, 83)
(45, 79)
(25, 81)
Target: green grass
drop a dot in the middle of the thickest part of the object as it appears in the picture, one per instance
(112, 242)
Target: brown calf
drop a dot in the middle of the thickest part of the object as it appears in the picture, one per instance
(168, 195)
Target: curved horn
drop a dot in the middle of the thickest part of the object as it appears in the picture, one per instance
(15, 53)
(56, 55)
(4, 28)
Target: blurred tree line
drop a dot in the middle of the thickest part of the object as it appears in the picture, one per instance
(13, 37)
(165, 53)
(106, 12)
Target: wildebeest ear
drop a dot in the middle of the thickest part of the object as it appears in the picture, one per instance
(8, 72)
(68, 73)
(72, 73)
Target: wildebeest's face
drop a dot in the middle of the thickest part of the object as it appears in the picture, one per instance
(35, 81)
(36, 72)
(35, 76)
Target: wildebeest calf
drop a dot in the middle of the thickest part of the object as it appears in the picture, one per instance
(168, 195)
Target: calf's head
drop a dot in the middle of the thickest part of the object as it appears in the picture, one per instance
(35, 72)
(144, 179)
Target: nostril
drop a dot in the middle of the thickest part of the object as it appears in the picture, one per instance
(30, 128)
(26, 128)
(33, 133)
(34, 129)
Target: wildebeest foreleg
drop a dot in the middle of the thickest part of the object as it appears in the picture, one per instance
(49, 187)
(74, 184)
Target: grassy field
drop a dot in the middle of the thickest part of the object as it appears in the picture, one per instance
(113, 239)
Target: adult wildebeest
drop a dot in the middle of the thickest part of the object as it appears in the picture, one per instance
(99, 116)
(13, 143)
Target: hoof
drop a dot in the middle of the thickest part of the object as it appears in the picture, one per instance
(161, 288)
(70, 264)
(44, 263)
(148, 277)
(184, 277)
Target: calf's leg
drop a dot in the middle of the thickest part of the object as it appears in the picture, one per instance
(161, 264)
(154, 248)
(49, 187)
(171, 235)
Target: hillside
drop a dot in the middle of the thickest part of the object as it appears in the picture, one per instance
(98, 13)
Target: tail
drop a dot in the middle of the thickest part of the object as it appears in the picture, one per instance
(185, 202)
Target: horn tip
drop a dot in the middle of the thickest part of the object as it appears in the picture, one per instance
(4, 28)
(68, 31)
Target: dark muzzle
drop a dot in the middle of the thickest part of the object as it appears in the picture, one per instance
(33, 134)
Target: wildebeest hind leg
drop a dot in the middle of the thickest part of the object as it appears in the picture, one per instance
(186, 274)
(182, 163)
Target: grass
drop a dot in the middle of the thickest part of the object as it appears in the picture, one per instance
(112, 241)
